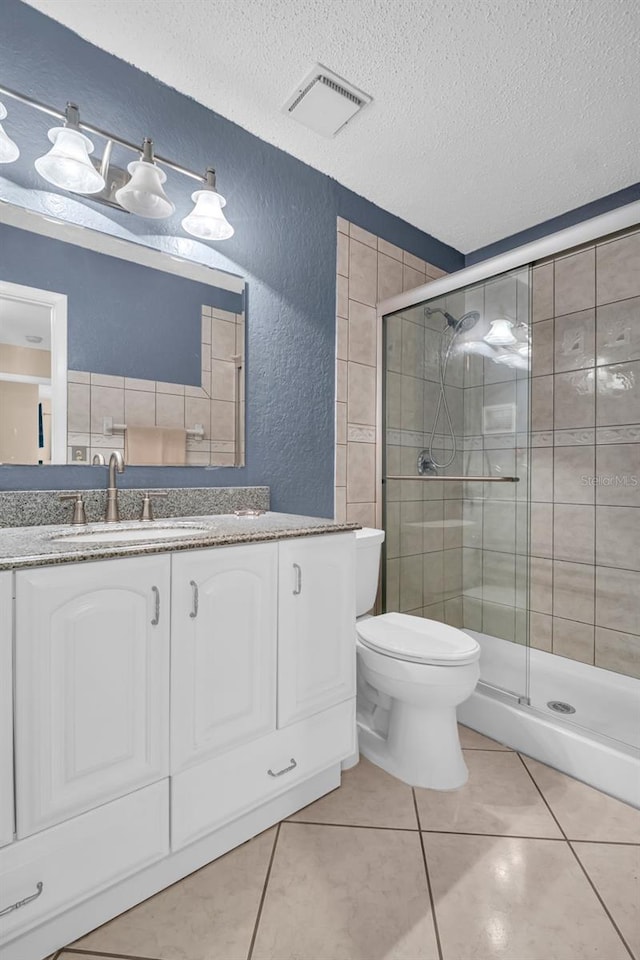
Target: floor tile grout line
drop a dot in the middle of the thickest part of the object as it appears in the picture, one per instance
(101, 953)
(578, 861)
(453, 833)
(436, 929)
(264, 893)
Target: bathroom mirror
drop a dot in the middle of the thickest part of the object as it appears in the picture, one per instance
(109, 345)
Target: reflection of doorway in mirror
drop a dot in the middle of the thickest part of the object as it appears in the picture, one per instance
(33, 358)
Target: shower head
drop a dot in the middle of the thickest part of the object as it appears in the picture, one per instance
(466, 321)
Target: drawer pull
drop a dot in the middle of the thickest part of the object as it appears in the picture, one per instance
(194, 607)
(23, 903)
(292, 766)
(297, 590)
(156, 619)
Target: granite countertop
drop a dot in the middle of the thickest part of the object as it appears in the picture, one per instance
(38, 546)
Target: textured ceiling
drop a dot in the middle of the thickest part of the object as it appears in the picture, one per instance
(489, 116)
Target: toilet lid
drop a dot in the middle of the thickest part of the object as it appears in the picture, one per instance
(414, 638)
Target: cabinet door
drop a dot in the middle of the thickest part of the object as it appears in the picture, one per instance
(92, 685)
(6, 709)
(317, 625)
(223, 649)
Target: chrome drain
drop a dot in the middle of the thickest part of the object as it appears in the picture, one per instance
(560, 706)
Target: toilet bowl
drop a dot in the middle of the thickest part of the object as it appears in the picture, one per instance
(412, 674)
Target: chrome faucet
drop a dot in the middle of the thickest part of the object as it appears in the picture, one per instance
(116, 462)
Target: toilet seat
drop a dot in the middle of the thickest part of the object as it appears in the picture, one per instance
(417, 640)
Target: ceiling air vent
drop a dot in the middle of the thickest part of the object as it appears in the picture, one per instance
(325, 102)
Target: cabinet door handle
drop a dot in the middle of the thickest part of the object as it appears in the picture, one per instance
(292, 766)
(23, 903)
(194, 607)
(156, 619)
(297, 590)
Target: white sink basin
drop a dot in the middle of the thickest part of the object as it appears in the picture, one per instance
(140, 534)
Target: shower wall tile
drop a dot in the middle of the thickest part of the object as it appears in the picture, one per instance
(542, 348)
(618, 599)
(617, 474)
(542, 292)
(363, 236)
(618, 651)
(573, 591)
(575, 282)
(573, 532)
(360, 473)
(342, 338)
(618, 331)
(363, 273)
(574, 399)
(411, 586)
(575, 341)
(362, 513)
(433, 578)
(542, 474)
(499, 620)
(362, 333)
(389, 249)
(412, 278)
(389, 276)
(573, 470)
(619, 393)
(618, 537)
(573, 639)
(361, 394)
(540, 631)
(619, 269)
(541, 529)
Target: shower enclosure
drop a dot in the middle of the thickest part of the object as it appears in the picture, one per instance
(524, 537)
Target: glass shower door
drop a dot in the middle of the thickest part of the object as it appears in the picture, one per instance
(456, 454)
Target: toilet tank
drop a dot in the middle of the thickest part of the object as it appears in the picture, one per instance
(368, 547)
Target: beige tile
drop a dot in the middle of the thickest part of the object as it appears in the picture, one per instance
(362, 513)
(340, 509)
(542, 403)
(341, 381)
(342, 255)
(223, 380)
(542, 474)
(541, 585)
(575, 286)
(541, 529)
(618, 599)
(412, 278)
(615, 873)
(342, 297)
(516, 899)
(542, 291)
(389, 249)
(411, 528)
(342, 338)
(176, 389)
(499, 620)
(412, 403)
(363, 236)
(66, 955)
(432, 578)
(618, 393)
(223, 339)
(106, 380)
(341, 422)
(573, 591)
(361, 473)
(574, 532)
(542, 348)
(583, 812)
(362, 333)
(222, 419)
(499, 798)
(619, 269)
(618, 651)
(363, 273)
(411, 583)
(169, 410)
(367, 797)
(206, 329)
(540, 631)
(574, 399)
(618, 536)
(341, 465)
(361, 394)
(389, 277)
(393, 586)
(573, 640)
(343, 225)
(433, 272)
(78, 376)
(618, 331)
(106, 402)
(209, 915)
(572, 469)
(139, 408)
(79, 407)
(618, 474)
(472, 740)
(197, 410)
(575, 341)
(343, 893)
(412, 349)
(130, 383)
(226, 315)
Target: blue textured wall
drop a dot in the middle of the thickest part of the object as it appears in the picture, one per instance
(284, 213)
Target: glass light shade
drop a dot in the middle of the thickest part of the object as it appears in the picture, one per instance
(207, 221)
(479, 347)
(500, 333)
(9, 150)
(143, 194)
(67, 164)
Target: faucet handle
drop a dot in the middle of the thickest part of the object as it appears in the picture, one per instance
(147, 509)
(79, 512)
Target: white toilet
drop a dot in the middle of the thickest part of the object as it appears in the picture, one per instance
(412, 673)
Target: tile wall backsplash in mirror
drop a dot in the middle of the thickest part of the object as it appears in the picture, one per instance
(144, 353)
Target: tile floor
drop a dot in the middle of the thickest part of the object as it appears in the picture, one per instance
(523, 863)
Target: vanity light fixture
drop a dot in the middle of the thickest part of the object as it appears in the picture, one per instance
(9, 150)
(207, 221)
(67, 164)
(143, 194)
(500, 334)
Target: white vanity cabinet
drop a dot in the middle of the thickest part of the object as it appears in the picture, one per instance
(92, 685)
(223, 649)
(6, 709)
(316, 631)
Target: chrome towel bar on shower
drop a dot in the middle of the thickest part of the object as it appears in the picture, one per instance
(469, 479)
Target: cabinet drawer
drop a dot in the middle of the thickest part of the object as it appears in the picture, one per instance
(219, 790)
(82, 856)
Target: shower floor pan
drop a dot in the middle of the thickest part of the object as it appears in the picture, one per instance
(599, 743)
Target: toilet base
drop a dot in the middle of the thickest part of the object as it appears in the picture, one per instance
(422, 747)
